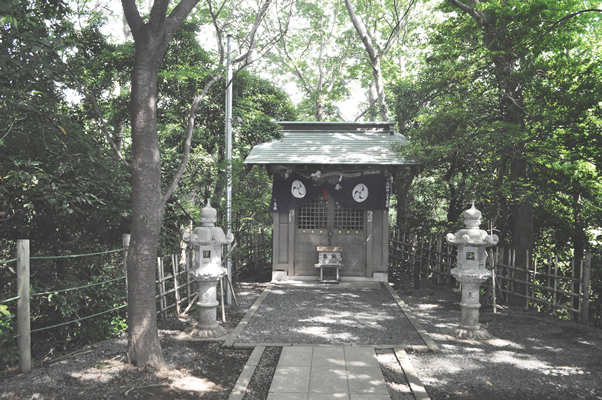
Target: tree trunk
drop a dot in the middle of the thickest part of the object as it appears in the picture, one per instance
(375, 58)
(402, 185)
(144, 347)
(372, 97)
(379, 84)
(522, 225)
(319, 109)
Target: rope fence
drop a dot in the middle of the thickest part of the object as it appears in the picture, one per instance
(24, 297)
(175, 288)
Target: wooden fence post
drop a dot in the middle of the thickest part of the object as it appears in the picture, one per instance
(438, 257)
(23, 306)
(555, 284)
(187, 263)
(126, 246)
(493, 283)
(527, 260)
(175, 269)
(162, 299)
(415, 268)
(587, 274)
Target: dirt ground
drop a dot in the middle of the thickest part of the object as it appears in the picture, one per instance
(535, 356)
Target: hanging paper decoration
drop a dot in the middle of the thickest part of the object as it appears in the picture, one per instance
(365, 192)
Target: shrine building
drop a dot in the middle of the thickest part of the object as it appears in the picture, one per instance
(332, 182)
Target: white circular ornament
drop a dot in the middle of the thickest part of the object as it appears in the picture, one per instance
(360, 192)
(298, 189)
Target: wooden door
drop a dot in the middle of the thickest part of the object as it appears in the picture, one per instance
(325, 222)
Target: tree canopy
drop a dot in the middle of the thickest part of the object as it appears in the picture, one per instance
(504, 107)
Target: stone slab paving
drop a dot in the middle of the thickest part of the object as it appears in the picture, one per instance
(328, 372)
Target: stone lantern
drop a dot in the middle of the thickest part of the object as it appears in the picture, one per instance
(471, 272)
(207, 241)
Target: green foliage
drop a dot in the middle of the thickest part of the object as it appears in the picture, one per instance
(318, 53)
(468, 120)
(92, 295)
(8, 347)
(256, 104)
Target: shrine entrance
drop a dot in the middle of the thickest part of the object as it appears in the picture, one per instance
(326, 222)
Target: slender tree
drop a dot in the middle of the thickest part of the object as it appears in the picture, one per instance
(379, 33)
(148, 201)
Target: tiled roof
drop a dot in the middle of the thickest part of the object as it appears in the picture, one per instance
(342, 143)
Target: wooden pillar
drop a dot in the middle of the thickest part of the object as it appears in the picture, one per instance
(23, 306)
(587, 272)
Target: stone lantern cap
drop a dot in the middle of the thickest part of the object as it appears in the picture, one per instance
(472, 235)
(207, 241)
(208, 233)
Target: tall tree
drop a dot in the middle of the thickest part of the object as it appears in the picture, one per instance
(151, 38)
(379, 30)
(148, 200)
(503, 35)
(505, 90)
(318, 50)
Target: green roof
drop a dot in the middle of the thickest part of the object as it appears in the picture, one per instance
(341, 143)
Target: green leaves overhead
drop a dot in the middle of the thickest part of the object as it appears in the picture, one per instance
(508, 81)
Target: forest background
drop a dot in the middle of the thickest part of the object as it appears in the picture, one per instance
(500, 101)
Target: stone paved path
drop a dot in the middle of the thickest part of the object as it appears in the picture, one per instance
(328, 372)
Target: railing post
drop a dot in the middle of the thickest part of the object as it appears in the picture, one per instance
(415, 268)
(175, 269)
(587, 273)
(126, 247)
(438, 257)
(23, 306)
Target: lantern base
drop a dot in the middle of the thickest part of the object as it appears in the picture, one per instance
(464, 333)
(207, 332)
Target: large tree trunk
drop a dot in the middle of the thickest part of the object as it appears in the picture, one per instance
(147, 208)
(522, 225)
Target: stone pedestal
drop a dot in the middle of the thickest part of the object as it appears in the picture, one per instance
(207, 326)
(471, 285)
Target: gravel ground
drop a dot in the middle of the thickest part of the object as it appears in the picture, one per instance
(330, 314)
(536, 356)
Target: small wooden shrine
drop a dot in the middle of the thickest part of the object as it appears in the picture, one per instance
(331, 187)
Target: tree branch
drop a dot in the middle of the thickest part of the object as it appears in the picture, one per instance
(158, 12)
(396, 29)
(478, 16)
(188, 142)
(556, 23)
(366, 110)
(218, 29)
(179, 14)
(132, 16)
(258, 19)
(362, 31)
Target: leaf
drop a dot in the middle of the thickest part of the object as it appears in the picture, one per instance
(489, 383)
(62, 129)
